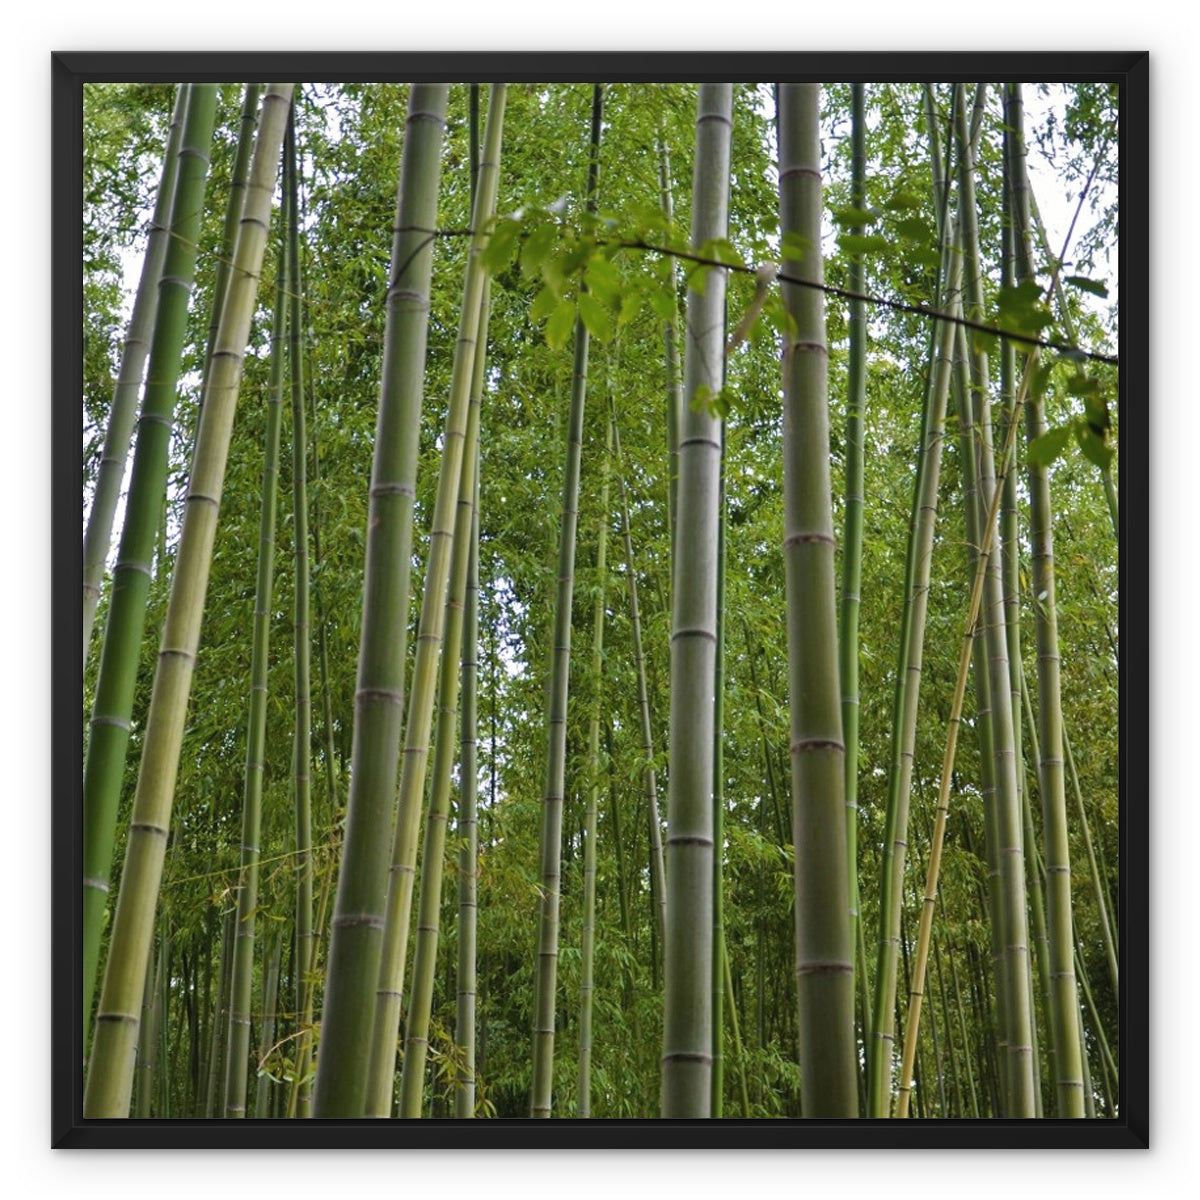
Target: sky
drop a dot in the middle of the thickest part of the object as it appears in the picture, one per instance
(1167, 29)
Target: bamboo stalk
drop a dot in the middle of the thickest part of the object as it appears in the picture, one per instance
(416, 1037)
(687, 1033)
(122, 414)
(943, 805)
(468, 823)
(824, 949)
(658, 888)
(356, 941)
(238, 1046)
(852, 538)
(1064, 1008)
(112, 712)
(588, 949)
(907, 693)
(541, 1090)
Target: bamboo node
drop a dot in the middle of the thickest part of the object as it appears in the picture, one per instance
(810, 172)
(117, 1018)
(116, 722)
(824, 967)
(689, 839)
(99, 885)
(804, 745)
(358, 920)
(693, 632)
(147, 827)
(688, 1056)
(806, 537)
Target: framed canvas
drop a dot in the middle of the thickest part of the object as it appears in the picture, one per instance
(631, 484)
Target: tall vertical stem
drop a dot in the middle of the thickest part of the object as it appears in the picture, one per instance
(687, 1033)
(588, 953)
(356, 940)
(122, 414)
(238, 1045)
(541, 1095)
(824, 949)
(1064, 1009)
(104, 766)
(111, 1069)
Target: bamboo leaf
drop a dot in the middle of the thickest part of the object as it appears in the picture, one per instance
(1094, 445)
(1094, 286)
(537, 246)
(1043, 450)
(502, 245)
(595, 317)
(560, 324)
(849, 216)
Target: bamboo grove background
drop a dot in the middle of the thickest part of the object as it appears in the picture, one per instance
(548, 931)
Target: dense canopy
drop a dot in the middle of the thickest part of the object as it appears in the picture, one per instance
(612, 606)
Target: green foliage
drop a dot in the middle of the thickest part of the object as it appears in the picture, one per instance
(551, 267)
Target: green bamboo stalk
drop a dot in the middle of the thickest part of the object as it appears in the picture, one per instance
(1064, 1009)
(824, 949)
(856, 396)
(719, 957)
(974, 519)
(151, 1027)
(541, 1092)
(233, 216)
(390, 978)
(907, 692)
(658, 890)
(1011, 915)
(238, 1046)
(468, 823)
(300, 1091)
(735, 1028)
(433, 854)
(219, 1025)
(588, 950)
(122, 414)
(356, 939)
(302, 728)
(468, 833)
(104, 766)
(674, 395)
(967, 651)
(110, 1072)
(1102, 906)
(687, 1034)
(272, 953)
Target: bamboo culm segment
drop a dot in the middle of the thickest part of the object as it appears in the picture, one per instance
(824, 949)
(541, 1092)
(301, 636)
(468, 823)
(104, 767)
(937, 840)
(1064, 999)
(908, 686)
(687, 1026)
(588, 954)
(122, 414)
(356, 939)
(390, 977)
(1011, 918)
(238, 1046)
(433, 852)
(110, 1071)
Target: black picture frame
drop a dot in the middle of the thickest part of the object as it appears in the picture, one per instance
(1130, 70)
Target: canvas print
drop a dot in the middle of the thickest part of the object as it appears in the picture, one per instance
(600, 600)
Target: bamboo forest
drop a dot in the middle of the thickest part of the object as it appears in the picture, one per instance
(600, 600)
